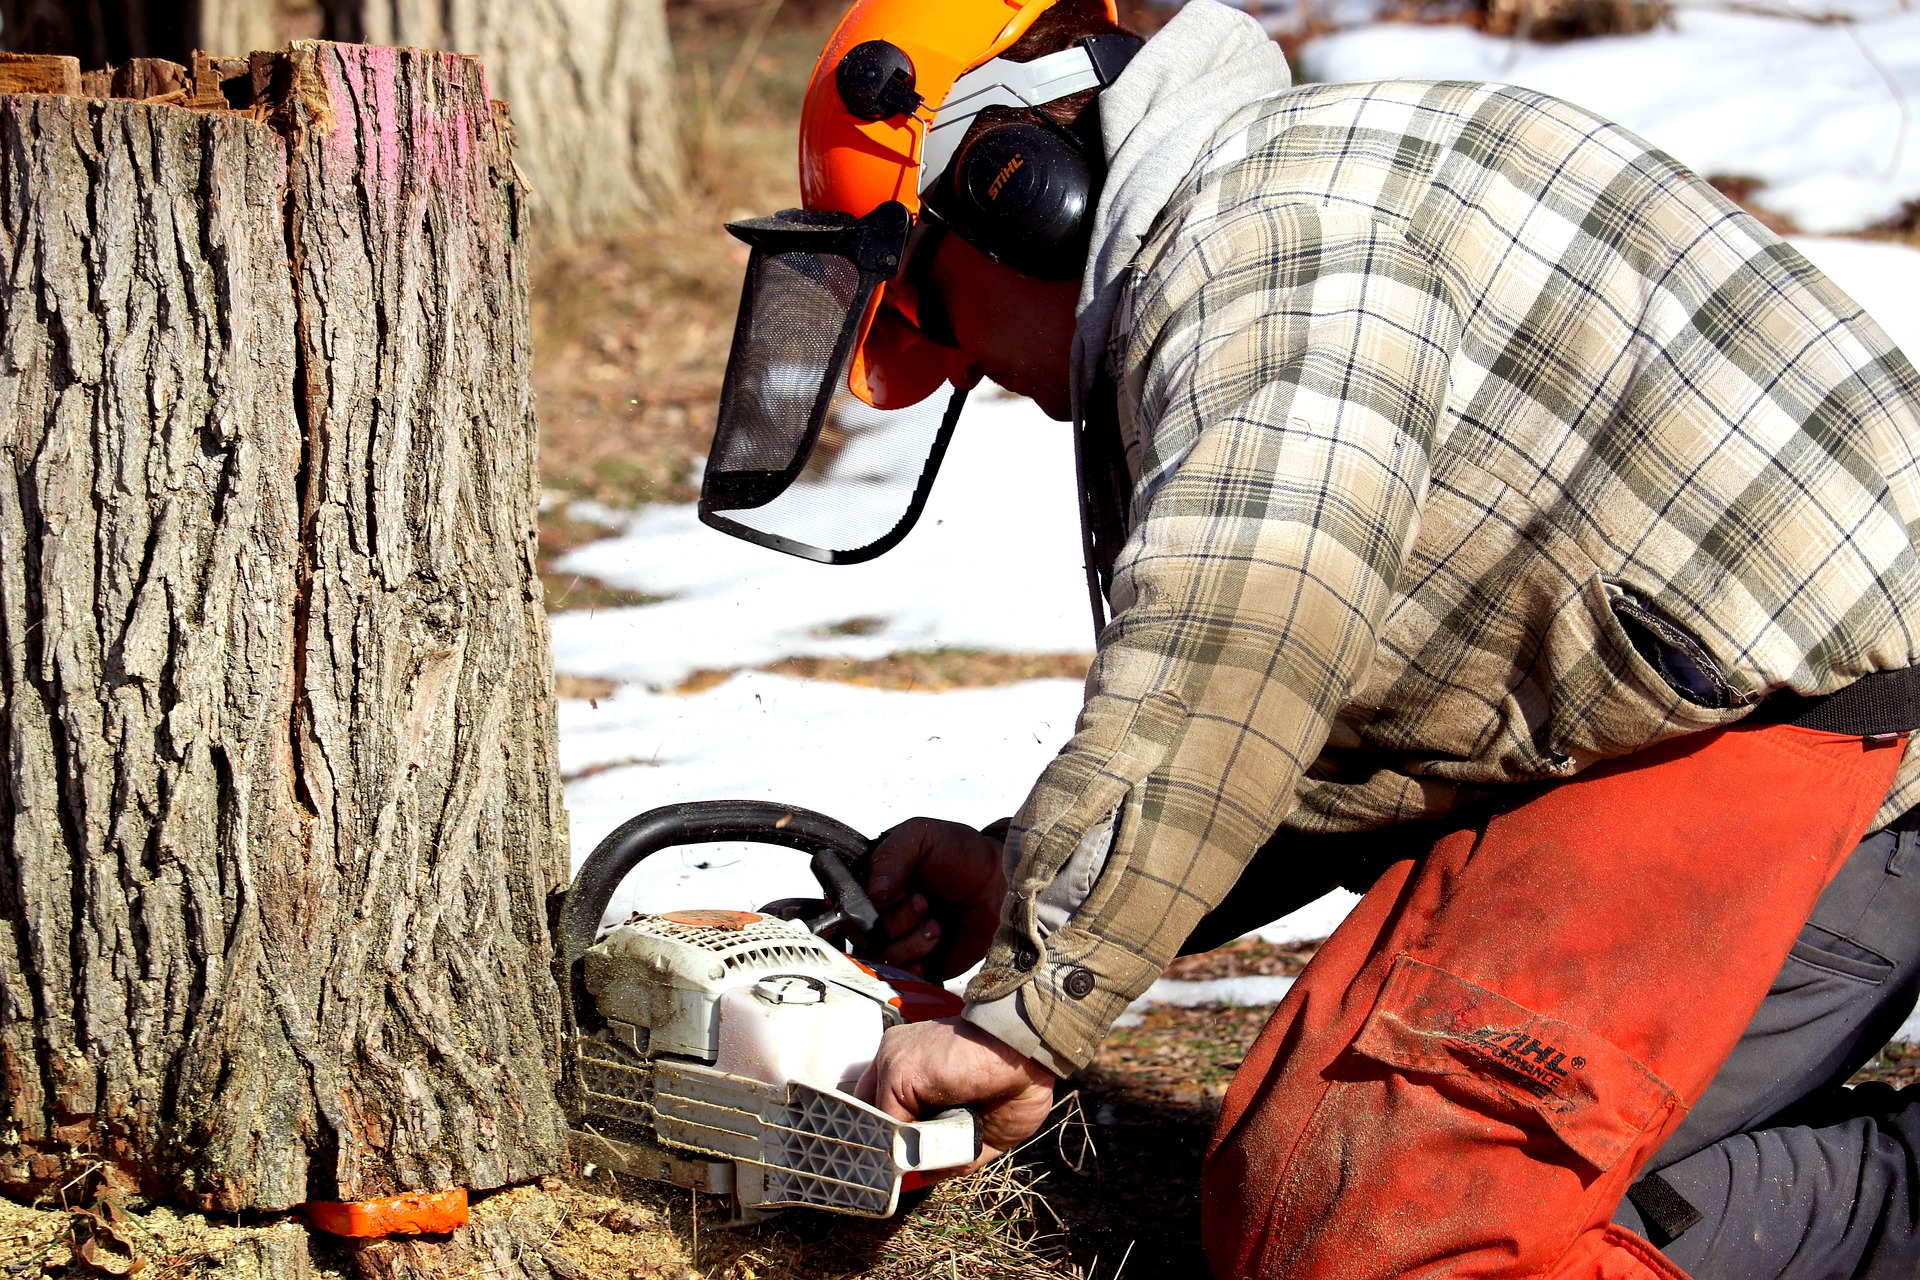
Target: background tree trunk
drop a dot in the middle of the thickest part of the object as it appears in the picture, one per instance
(109, 32)
(232, 27)
(590, 83)
(279, 799)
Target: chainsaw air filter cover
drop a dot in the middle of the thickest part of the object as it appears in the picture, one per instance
(660, 978)
(794, 1144)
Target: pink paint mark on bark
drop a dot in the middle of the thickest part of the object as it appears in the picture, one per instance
(408, 151)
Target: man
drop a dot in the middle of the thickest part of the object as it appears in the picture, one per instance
(1493, 518)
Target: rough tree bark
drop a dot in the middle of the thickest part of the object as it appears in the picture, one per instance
(279, 800)
(590, 82)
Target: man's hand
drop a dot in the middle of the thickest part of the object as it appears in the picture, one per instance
(939, 886)
(926, 1067)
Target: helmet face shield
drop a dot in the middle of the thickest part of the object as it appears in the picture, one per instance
(861, 487)
(799, 464)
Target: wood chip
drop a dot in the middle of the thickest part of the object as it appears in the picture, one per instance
(39, 73)
(148, 79)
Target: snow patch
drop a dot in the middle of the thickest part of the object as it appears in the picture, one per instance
(993, 564)
(1809, 110)
(1250, 991)
(869, 757)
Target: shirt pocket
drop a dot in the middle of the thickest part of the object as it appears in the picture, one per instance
(1492, 1054)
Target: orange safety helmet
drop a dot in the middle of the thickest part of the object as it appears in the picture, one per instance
(827, 442)
(853, 165)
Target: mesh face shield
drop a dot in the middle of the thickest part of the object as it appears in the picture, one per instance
(798, 463)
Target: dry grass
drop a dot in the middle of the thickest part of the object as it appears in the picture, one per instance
(923, 670)
(1904, 229)
(1244, 959)
(1555, 20)
(157, 1243)
(994, 1223)
(631, 332)
(1897, 1065)
(559, 534)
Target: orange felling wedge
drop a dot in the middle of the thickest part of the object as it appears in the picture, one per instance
(410, 1213)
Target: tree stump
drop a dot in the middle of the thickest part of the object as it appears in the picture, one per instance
(279, 796)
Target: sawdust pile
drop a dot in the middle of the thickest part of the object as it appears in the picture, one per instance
(158, 1243)
(994, 1223)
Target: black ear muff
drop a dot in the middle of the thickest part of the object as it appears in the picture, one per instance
(1021, 193)
(875, 81)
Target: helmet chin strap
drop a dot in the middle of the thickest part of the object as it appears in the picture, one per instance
(1001, 83)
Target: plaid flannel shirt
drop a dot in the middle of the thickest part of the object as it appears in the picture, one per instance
(1418, 382)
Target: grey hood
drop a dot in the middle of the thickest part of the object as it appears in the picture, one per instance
(1155, 120)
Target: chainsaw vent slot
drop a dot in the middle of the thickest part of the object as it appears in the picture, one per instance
(612, 1086)
(722, 941)
(779, 956)
(795, 1144)
(765, 944)
(830, 1156)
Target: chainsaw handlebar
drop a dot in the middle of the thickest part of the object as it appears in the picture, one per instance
(839, 857)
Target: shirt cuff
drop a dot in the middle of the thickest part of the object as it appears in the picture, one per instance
(1003, 1020)
(1058, 1008)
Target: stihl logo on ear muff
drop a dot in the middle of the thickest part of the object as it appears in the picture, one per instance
(1021, 192)
(999, 182)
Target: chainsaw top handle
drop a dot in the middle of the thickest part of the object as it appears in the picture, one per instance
(839, 858)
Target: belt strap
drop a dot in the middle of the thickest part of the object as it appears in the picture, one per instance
(1665, 1211)
(1878, 704)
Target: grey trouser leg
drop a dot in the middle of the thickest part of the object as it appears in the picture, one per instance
(1794, 1177)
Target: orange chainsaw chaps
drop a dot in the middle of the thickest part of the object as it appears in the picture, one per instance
(411, 1213)
(1478, 1063)
(1614, 1253)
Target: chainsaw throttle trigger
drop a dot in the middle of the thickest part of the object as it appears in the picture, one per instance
(845, 891)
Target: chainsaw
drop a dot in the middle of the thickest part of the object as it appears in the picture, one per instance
(718, 1050)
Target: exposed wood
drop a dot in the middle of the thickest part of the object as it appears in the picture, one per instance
(279, 799)
(148, 79)
(590, 85)
(38, 73)
(217, 84)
